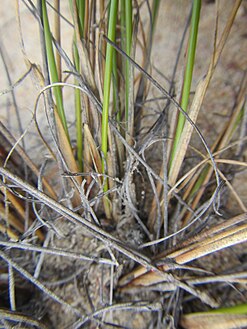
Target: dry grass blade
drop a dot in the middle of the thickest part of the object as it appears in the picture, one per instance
(240, 277)
(21, 319)
(10, 233)
(11, 220)
(216, 238)
(137, 307)
(15, 202)
(234, 193)
(56, 251)
(95, 155)
(67, 153)
(24, 157)
(13, 156)
(216, 243)
(36, 282)
(196, 240)
(187, 131)
(213, 321)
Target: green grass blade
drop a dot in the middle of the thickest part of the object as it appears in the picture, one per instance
(188, 72)
(115, 88)
(128, 28)
(78, 112)
(79, 138)
(107, 78)
(237, 309)
(122, 22)
(81, 15)
(53, 67)
(155, 11)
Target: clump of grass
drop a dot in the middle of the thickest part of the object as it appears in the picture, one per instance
(105, 160)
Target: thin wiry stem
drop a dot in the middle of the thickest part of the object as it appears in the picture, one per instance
(12, 296)
(6, 316)
(37, 283)
(57, 252)
(137, 307)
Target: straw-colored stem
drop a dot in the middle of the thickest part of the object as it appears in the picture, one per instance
(188, 72)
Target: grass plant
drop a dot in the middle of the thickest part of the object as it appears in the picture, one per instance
(126, 183)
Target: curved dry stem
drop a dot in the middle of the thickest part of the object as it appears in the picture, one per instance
(37, 283)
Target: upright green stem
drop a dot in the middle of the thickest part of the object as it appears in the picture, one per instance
(53, 67)
(81, 14)
(78, 111)
(237, 309)
(115, 88)
(155, 11)
(188, 73)
(79, 138)
(128, 27)
(107, 79)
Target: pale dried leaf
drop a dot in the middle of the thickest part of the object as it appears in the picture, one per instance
(68, 155)
(213, 321)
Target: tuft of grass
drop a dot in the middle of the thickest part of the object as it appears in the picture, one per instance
(107, 165)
